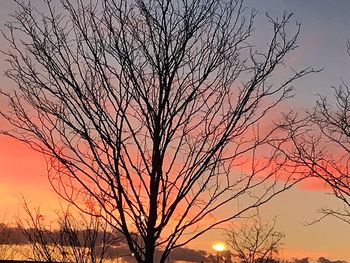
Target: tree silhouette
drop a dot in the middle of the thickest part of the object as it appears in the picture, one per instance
(71, 237)
(321, 145)
(148, 112)
(255, 242)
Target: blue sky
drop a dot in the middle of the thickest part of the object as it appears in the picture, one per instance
(325, 28)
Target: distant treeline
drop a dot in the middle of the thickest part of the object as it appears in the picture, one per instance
(17, 236)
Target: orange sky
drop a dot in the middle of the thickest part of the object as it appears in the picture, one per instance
(325, 29)
(22, 172)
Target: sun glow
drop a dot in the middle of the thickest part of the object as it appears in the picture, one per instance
(218, 247)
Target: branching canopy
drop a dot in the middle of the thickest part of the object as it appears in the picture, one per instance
(148, 111)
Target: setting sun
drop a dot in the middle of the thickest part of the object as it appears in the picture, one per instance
(144, 130)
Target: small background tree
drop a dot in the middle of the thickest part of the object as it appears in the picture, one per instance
(320, 145)
(71, 237)
(255, 242)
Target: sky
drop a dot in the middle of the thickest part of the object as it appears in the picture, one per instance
(325, 28)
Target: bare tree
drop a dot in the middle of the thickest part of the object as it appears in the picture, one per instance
(255, 242)
(320, 145)
(149, 111)
(71, 238)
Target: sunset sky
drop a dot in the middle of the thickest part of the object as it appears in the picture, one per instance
(325, 28)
